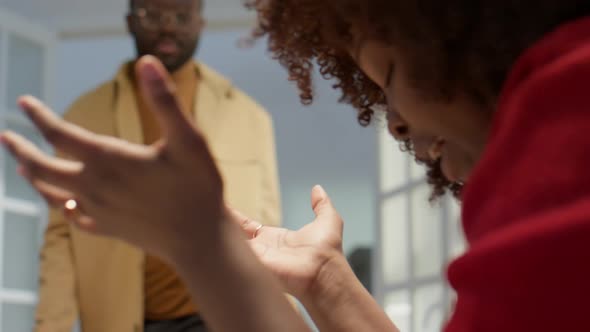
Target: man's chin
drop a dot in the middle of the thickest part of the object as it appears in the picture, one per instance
(171, 66)
(171, 63)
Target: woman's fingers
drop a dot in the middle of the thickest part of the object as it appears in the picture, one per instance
(324, 210)
(54, 196)
(66, 137)
(251, 228)
(74, 212)
(36, 165)
(84, 223)
(159, 92)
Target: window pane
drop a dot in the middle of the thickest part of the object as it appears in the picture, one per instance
(16, 186)
(428, 308)
(25, 69)
(1, 52)
(394, 239)
(397, 306)
(457, 239)
(417, 172)
(393, 163)
(427, 234)
(21, 257)
(17, 317)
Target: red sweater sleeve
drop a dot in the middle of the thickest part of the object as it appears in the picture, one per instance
(527, 206)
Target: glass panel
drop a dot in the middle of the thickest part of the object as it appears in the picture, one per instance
(17, 317)
(427, 234)
(25, 69)
(1, 62)
(393, 163)
(397, 306)
(417, 172)
(428, 308)
(21, 251)
(394, 239)
(16, 186)
(457, 239)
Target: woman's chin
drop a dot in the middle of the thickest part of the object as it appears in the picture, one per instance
(453, 173)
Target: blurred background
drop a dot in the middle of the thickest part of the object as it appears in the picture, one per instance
(397, 242)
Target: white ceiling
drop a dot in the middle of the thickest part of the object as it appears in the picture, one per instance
(77, 18)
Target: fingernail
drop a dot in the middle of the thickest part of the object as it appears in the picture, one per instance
(5, 142)
(21, 102)
(150, 72)
(22, 171)
(26, 102)
(320, 189)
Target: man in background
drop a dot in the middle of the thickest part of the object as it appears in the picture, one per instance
(107, 284)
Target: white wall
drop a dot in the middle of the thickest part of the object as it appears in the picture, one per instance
(320, 144)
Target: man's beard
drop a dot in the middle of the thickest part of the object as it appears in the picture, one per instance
(175, 63)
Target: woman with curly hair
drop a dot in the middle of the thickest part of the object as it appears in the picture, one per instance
(491, 94)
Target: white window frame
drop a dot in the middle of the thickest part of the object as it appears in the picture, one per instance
(412, 282)
(11, 24)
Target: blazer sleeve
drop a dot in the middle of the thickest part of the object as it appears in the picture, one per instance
(57, 309)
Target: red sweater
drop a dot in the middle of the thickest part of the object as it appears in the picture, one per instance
(526, 210)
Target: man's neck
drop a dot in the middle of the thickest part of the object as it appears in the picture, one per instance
(186, 73)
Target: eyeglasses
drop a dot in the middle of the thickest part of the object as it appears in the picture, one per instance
(151, 19)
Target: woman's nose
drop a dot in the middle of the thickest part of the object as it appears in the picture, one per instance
(398, 128)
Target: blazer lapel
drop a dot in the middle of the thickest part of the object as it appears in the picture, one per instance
(128, 122)
(206, 112)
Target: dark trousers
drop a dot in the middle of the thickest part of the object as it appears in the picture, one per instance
(185, 324)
